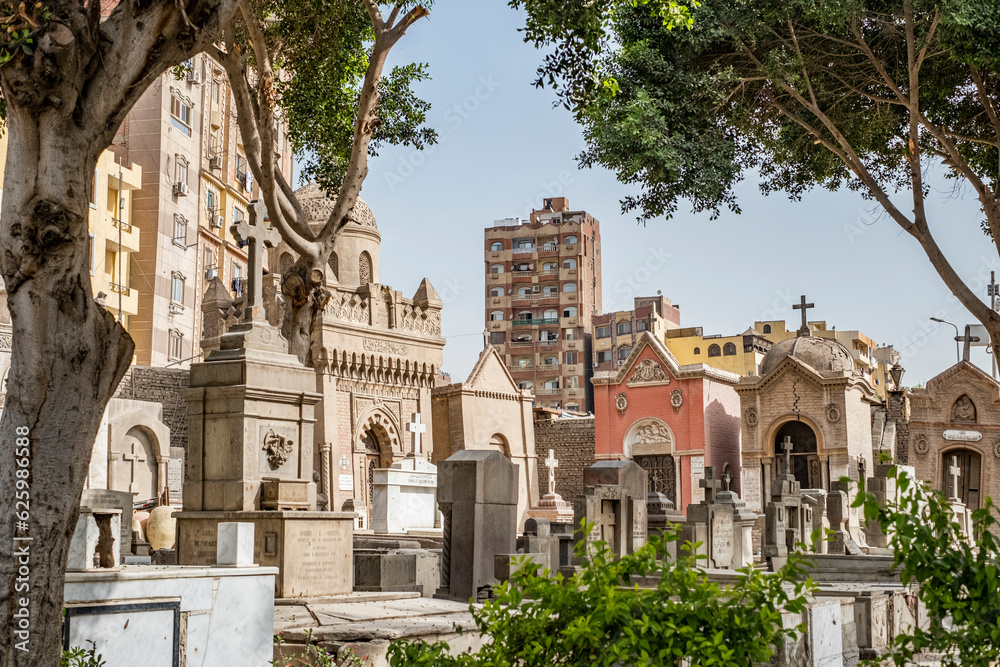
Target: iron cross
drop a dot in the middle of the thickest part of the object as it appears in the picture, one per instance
(968, 339)
(804, 307)
(256, 235)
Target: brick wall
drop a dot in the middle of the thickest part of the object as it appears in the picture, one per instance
(572, 440)
(163, 386)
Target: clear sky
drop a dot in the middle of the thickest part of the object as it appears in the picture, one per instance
(504, 147)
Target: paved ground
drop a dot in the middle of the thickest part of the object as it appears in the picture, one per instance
(367, 622)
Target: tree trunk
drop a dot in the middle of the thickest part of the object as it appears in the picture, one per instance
(304, 288)
(68, 356)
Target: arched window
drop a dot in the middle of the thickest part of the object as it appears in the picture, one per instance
(287, 262)
(549, 266)
(550, 289)
(569, 263)
(569, 240)
(527, 384)
(964, 410)
(496, 268)
(714, 350)
(550, 314)
(623, 353)
(569, 311)
(496, 316)
(496, 291)
(524, 362)
(522, 338)
(499, 443)
(767, 328)
(524, 315)
(551, 361)
(496, 246)
(551, 384)
(569, 287)
(573, 406)
(729, 349)
(364, 268)
(523, 291)
(697, 350)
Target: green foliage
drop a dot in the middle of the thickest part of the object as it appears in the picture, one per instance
(958, 576)
(79, 657)
(321, 49)
(688, 112)
(316, 656)
(601, 616)
(19, 23)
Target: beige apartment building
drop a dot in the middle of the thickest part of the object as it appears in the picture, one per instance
(195, 184)
(543, 287)
(615, 334)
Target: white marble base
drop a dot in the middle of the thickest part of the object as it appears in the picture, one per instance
(404, 497)
(234, 547)
(137, 615)
(84, 545)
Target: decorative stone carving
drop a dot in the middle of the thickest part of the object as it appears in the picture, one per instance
(752, 418)
(676, 399)
(833, 413)
(996, 448)
(648, 372)
(920, 444)
(621, 402)
(652, 433)
(964, 410)
(278, 448)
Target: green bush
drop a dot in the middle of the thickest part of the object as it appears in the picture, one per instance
(80, 657)
(600, 616)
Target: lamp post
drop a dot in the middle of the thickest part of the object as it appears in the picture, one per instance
(896, 373)
(958, 351)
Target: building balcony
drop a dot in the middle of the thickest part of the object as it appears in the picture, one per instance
(547, 392)
(551, 366)
(521, 367)
(128, 236)
(521, 343)
(523, 251)
(535, 323)
(523, 274)
(548, 343)
(113, 292)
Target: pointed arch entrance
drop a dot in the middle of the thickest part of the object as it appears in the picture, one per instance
(375, 444)
(650, 443)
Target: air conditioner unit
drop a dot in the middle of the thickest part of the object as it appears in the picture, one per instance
(181, 189)
(215, 162)
(536, 289)
(217, 221)
(211, 273)
(194, 77)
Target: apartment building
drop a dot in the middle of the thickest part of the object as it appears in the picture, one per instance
(543, 287)
(615, 334)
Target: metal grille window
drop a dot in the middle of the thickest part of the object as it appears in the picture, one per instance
(661, 474)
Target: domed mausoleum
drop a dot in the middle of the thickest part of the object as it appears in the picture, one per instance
(809, 390)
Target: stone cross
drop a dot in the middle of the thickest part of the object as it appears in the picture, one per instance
(134, 457)
(710, 484)
(416, 428)
(954, 472)
(968, 339)
(343, 461)
(256, 236)
(726, 478)
(803, 306)
(552, 463)
(788, 447)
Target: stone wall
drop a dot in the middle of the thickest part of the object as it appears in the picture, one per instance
(163, 386)
(572, 440)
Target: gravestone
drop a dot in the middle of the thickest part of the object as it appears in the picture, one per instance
(614, 502)
(784, 517)
(477, 495)
(121, 500)
(96, 541)
(175, 476)
(404, 495)
(884, 489)
(720, 526)
(552, 507)
(815, 501)
(743, 523)
(838, 513)
(962, 514)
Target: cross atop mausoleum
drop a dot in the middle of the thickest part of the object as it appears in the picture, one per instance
(954, 472)
(256, 236)
(804, 307)
(416, 428)
(710, 484)
(788, 447)
(968, 339)
(552, 463)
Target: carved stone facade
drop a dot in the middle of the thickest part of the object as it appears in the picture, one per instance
(671, 420)
(957, 415)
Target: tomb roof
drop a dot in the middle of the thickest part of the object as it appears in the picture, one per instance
(318, 205)
(822, 354)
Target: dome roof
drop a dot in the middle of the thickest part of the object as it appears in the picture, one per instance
(318, 206)
(821, 354)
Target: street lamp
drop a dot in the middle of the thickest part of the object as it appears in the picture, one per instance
(896, 373)
(958, 352)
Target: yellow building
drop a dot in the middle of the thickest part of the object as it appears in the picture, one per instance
(113, 238)
(740, 354)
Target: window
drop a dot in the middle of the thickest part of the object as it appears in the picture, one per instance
(550, 314)
(571, 357)
(496, 316)
(624, 328)
(215, 90)
(570, 334)
(90, 242)
(211, 203)
(569, 287)
(573, 407)
(569, 263)
(640, 325)
(524, 315)
(550, 244)
(527, 384)
(551, 384)
(175, 346)
(177, 287)
(623, 353)
(210, 268)
(551, 361)
(365, 268)
(524, 362)
(496, 246)
(334, 266)
(180, 231)
(180, 112)
(180, 170)
(496, 291)
(93, 191)
(572, 382)
(714, 350)
(603, 356)
(524, 291)
(496, 268)
(548, 335)
(550, 290)
(549, 266)
(729, 349)
(524, 243)
(237, 270)
(523, 267)
(569, 240)
(767, 328)
(603, 332)
(238, 215)
(523, 338)
(497, 338)
(697, 350)
(569, 312)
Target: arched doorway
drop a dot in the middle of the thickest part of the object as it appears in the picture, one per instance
(805, 462)
(650, 443)
(969, 475)
(373, 445)
(133, 465)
